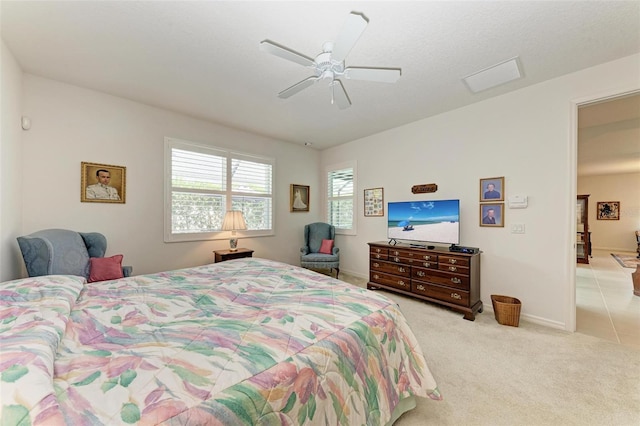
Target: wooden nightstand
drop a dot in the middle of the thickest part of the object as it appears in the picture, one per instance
(222, 255)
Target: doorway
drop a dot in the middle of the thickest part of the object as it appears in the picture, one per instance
(594, 121)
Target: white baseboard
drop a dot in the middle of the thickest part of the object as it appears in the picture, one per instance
(533, 319)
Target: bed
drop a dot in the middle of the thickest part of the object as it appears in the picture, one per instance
(243, 342)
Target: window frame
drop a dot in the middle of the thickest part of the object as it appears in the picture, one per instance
(169, 235)
(333, 168)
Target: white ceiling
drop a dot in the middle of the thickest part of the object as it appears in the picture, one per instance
(203, 58)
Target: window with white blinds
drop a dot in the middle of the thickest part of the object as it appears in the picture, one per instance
(204, 182)
(341, 197)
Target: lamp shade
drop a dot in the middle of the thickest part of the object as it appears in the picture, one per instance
(234, 221)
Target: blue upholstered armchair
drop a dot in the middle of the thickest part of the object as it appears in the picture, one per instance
(311, 257)
(63, 252)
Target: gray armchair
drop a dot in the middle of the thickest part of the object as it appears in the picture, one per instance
(63, 252)
(310, 256)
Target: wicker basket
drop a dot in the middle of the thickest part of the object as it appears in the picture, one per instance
(506, 309)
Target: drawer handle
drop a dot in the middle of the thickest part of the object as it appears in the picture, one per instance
(376, 264)
(420, 287)
(420, 274)
(377, 256)
(427, 264)
(401, 269)
(396, 252)
(378, 250)
(456, 280)
(427, 257)
(456, 296)
(397, 259)
(401, 283)
(453, 268)
(453, 260)
(376, 276)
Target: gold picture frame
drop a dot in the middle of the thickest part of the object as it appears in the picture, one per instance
(299, 198)
(102, 183)
(492, 189)
(492, 215)
(608, 210)
(374, 202)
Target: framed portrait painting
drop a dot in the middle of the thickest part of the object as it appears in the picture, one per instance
(608, 210)
(492, 189)
(299, 198)
(102, 183)
(374, 202)
(492, 214)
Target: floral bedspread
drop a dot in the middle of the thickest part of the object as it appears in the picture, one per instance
(243, 342)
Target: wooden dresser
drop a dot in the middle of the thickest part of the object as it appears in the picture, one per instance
(436, 275)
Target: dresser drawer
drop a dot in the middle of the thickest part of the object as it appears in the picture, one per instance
(400, 259)
(379, 255)
(401, 253)
(454, 260)
(458, 269)
(439, 277)
(445, 294)
(425, 264)
(378, 251)
(390, 268)
(391, 280)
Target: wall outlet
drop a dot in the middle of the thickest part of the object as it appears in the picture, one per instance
(517, 228)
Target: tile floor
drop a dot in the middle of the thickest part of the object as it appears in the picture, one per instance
(605, 304)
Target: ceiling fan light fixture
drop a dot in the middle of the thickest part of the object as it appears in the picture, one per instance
(493, 76)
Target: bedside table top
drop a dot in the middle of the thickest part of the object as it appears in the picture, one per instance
(228, 251)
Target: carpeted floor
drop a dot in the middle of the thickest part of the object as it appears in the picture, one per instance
(626, 260)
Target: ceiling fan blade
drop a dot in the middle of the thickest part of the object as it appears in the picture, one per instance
(339, 95)
(298, 87)
(384, 75)
(286, 53)
(351, 32)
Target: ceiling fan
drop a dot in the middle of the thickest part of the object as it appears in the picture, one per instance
(329, 65)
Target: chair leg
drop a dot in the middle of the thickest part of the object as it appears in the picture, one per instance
(337, 272)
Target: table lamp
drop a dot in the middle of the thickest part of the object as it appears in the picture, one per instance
(234, 221)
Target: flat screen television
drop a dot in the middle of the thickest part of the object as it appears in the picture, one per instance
(424, 221)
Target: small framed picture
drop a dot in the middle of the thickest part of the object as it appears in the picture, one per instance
(608, 210)
(102, 183)
(374, 202)
(492, 189)
(492, 214)
(299, 198)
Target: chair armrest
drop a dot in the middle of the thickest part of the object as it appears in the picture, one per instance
(335, 250)
(127, 271)
(304, 250)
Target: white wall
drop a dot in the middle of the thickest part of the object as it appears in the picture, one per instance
(525, 136)
(614, 235)
(10, 164)
(71, 125)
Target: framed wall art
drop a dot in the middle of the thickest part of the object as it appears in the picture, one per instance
(374, 202)
(102, 183)
(299, 198)
(608, 210)
(492, 189)
(492, 214)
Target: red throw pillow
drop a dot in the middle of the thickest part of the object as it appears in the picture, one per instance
(105, 268)
(326, 247)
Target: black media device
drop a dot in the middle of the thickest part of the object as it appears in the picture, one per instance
(461, 249)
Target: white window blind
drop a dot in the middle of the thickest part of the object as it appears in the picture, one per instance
(204, 182)
(341, 198)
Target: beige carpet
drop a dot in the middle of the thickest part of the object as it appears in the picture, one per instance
(626, 260)
(490, 374)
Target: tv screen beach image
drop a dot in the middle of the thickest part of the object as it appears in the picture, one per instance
(429, 221)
